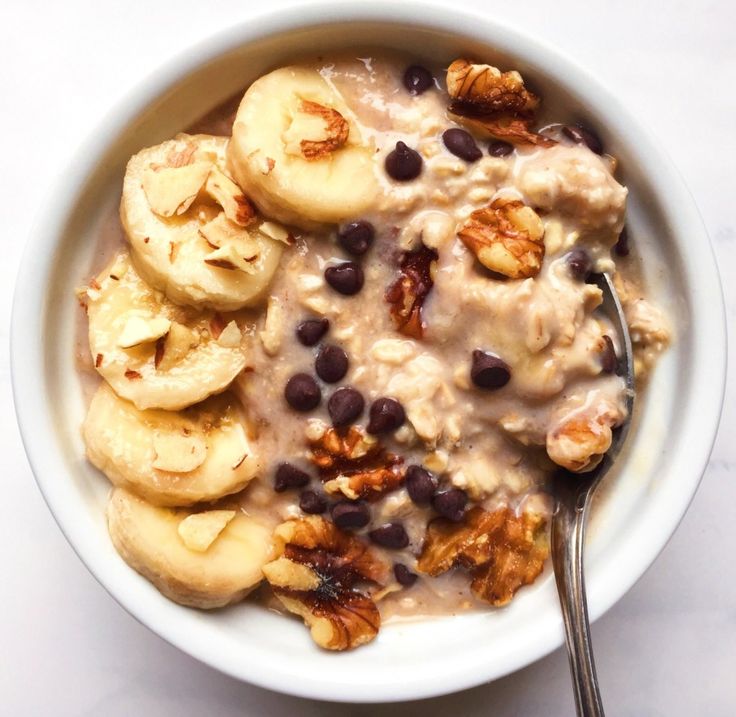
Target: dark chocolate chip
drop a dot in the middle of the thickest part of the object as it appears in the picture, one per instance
(391, 535)
(357, 237)
(403, 163)
(331, 364)
(461, 144)
(345, 406)
(608, 358)
(420, 484)
(312, 503)
(489, 371)
(289, 476)
(302, 392)
(350, 514)
(621, 247)
(346, 278)
(451, 504)
(417, 79)
(579, 264)
(582, 135)
(310, 331)
(499, 148)
(404, 576)
(386, 415)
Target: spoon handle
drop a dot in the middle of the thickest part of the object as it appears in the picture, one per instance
(568, 532)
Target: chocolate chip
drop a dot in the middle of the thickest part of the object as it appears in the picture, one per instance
(582, 135)
(356, 238)
(345, 406)
(346, 278)
(420, 484)
(608, 358)
(621, 247)
(289, 476)
(461, 144)
(489, 371)
(579, 264)
(417, 79)
(310, 331)
(499, 148)
(386, 415)
(391, 535)
(302, 392)
(403, 163)
(451, 504)
(404, 576)
(350, 514)
(331, 364)
(312, 503)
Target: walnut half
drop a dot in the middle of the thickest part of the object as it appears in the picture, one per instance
(504, 551)
(507, 237)
(315, 574)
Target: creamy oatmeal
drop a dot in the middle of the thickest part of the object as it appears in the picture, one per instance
(349, 336)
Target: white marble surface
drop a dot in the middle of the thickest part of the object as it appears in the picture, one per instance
(668, 648)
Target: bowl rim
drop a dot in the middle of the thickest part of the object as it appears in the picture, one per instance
(27, 346)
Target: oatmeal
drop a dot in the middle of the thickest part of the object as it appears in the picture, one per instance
(349, 337)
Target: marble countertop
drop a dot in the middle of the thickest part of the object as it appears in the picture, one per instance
(667, 648)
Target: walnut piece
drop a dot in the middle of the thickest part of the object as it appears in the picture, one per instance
(502, 550)
(409, 292)
(507, 237)
(316, 131)
(493, 102)
(354, 464)
(314, 575)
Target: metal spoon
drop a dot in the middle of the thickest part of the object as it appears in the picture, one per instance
(573, 492)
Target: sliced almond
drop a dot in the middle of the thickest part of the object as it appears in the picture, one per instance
(273, 330)
(231, 258)
(172, 190)
(276, 232)
(229, 196)
(139, 330)
(199, 530)
(230, 336)
(179, 453)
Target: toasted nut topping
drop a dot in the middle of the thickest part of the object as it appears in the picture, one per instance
(503, 551)
(139, 330)
(506, 237)
(314, 575)
(319, 139)
(199, 530)
(230, 336)
(228, 195)
(174, 346)
(493, 102)
(409, 292)
(172, 190)
(355, 465)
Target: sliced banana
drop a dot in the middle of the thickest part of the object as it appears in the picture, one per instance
(297, 147)
(170, 458)
(193, 233)
(210, 573)
(152, 352)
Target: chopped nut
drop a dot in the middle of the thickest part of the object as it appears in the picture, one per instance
(409, 292)
(174, 346)
(355, 464)
(231, 258)
(315, 575)
(229, 196)
(179, 452)
(276, 232)
(503, 551)
(316, 131)
(393, 351)
(199, 530)
(273, 330)
(235, 247)
(506, 237)
(132, 375)
(172, 190)
(230, 336)
(494, 102)
(142, 330)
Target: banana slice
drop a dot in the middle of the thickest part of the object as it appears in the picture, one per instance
(297, 147)
(170, 458)
(155, 353)
(193, 233)
(203, 559)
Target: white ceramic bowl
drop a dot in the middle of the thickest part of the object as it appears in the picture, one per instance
(635, 517)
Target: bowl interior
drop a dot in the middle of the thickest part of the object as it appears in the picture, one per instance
(636, 512)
